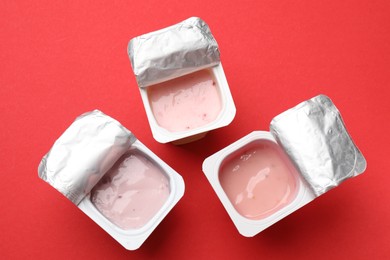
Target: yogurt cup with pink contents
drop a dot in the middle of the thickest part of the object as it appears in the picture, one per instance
(112, 177)
(181, 80)
(265, 176)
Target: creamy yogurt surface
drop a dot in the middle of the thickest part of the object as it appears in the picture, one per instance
(132, 191)
(259, 179)
(187, 102)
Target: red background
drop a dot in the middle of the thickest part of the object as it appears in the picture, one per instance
(59, 59)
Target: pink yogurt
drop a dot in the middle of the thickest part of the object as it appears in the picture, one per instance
(259, 179)
(131, 192)
(187, 102)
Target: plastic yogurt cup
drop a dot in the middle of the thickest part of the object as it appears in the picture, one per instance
(257, 185)
(112, 177)
(265, 176)
(181, 80)
(185, 113)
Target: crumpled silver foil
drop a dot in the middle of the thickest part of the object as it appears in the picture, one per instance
(84, 153)
(173, 52)
(315, 138)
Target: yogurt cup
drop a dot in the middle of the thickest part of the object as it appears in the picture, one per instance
(222, 116)
(181, 81)
(251, 225)
(265, 176)
(112, 177)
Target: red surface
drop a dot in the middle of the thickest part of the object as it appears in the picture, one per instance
(60, 59)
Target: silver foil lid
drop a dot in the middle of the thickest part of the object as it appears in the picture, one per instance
(315, 138)
(84, 153)
(172, 52)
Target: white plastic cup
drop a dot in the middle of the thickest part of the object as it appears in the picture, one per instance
(246, 226)
(224, 118)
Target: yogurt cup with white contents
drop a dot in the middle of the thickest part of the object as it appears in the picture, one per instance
(265, 176)
(181, 81)
(112, 177)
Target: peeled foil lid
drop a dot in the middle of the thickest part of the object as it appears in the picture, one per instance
(84, 153)
(315, 138)
(173, 52)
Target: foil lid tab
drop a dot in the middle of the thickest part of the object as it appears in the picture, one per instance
(314, 136)
(84, 153)
(173, 52)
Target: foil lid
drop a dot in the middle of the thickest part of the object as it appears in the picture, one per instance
(173, 52)
(315, 138)
(84, 153)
